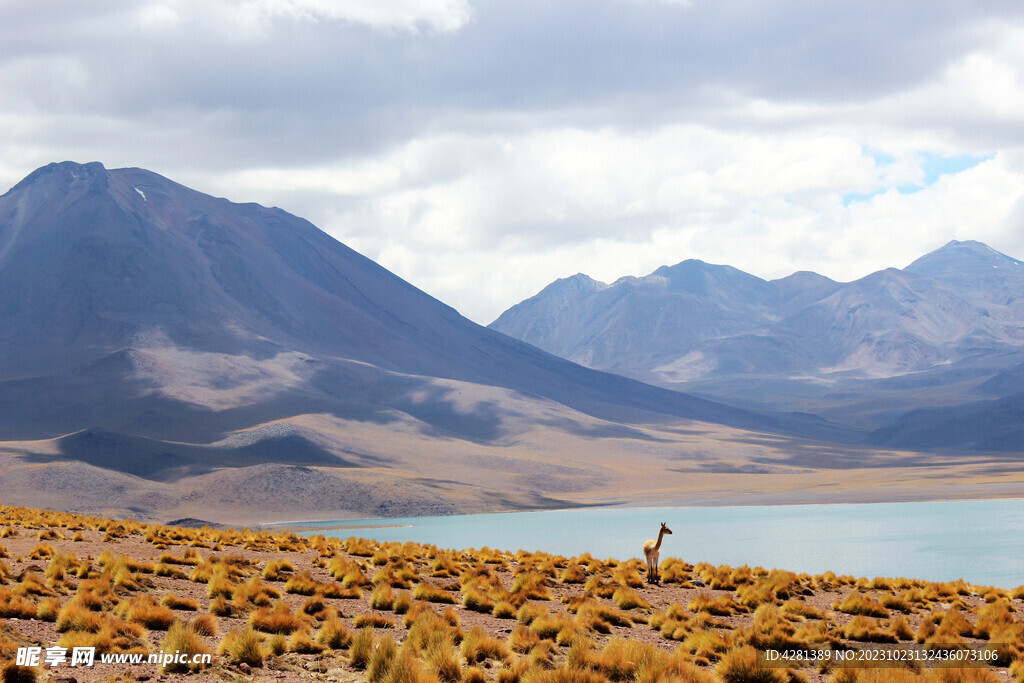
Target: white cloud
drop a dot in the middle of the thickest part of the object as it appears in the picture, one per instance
(482, 151)
(43, 81)
(484, 221)
(405, 15)
(158, 16)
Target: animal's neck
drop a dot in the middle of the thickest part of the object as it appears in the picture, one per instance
(661, 535)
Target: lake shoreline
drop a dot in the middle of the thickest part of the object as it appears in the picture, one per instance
(973, 539)
(756, 499)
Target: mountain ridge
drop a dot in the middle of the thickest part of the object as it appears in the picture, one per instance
(803, 342)
(803, 304)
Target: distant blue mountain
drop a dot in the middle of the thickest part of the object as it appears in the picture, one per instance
(696, 320)
(948, 329)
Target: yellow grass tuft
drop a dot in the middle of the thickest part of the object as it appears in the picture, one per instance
(169, 570)
(205, 625)
(74, 616)
(383, 661)
(48, 609)
(771, 630)
(278, 619)
(144, 610)
(441, 657)
(382, 597)
(531, 585)
(14, 606)
(900, 627)
(627, 598)
(302, 584)
(529, 612)
(802, 609)
(42, 551)
(866, 629)
(573, 575)
(12, 673)
(722, 606)
(522, 639)
(219, 585)
(403, 600)
(221, 607)
(253, 593)
(857, 603)
(896, 602)
(300, 642)
(549, 626)
(996, 616)
(278, 570)
(362, 648)
(334, 634)
(478, 646)
(183, 638)
(175, 602)
(31, 584)
(373, 621)
(431, 593)
(503, 609)
(741, 666)
(243, 646)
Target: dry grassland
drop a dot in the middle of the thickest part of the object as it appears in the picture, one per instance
(278, 606)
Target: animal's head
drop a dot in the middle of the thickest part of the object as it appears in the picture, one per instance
(665, 529)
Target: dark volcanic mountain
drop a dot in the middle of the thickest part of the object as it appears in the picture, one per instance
(99, 267)
(158, 332)
(859, 352)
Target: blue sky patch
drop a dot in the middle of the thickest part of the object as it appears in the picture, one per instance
(934, 165)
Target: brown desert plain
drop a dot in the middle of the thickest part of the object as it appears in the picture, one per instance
(549, 456)
(282, 606)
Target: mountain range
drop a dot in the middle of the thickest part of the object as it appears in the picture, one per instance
(165, 354)
(945, 332)
(158, 342)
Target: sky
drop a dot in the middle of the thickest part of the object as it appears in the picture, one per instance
(480, 149)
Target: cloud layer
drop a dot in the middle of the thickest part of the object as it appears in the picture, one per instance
(482, 149)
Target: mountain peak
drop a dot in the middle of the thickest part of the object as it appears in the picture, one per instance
(686, 266)
(971, 266)
(580, 282)
(699, 278)
(961, 254)
(65, 173)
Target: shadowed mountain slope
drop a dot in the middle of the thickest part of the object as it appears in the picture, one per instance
(979, 426)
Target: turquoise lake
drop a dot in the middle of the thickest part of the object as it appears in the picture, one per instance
(981, 541)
